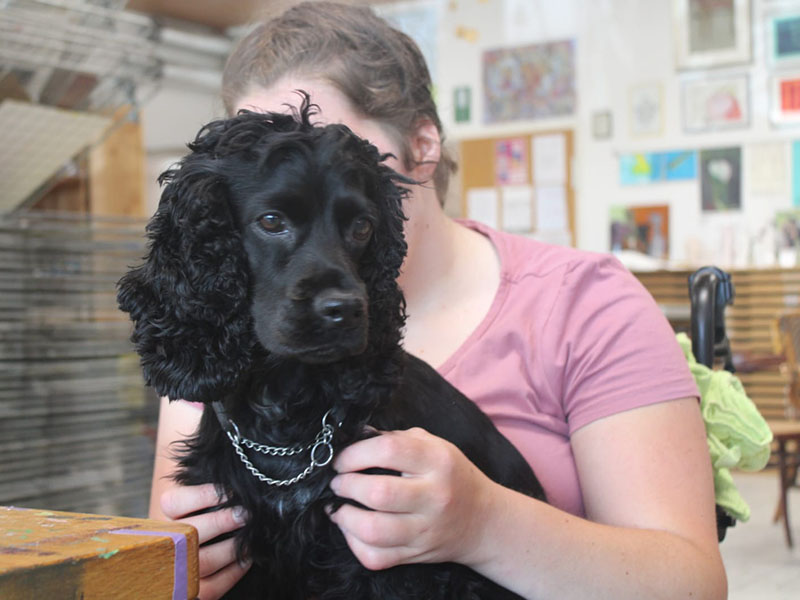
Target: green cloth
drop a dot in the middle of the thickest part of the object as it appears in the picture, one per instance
(737, 434)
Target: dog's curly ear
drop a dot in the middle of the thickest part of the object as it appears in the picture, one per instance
(189, 301)
(381, 264)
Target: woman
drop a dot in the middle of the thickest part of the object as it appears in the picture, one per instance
(563, 349)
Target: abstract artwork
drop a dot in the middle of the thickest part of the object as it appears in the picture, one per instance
(655, 167)
(529, 82)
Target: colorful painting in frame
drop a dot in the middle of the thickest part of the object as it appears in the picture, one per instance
(721, 179)
(783, 38)
(654, 167)
(711, 33)
(641, 228)
(716, 103)
(785, 98)
(529, 82)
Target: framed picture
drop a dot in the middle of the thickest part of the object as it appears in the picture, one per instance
(462, 103)
(721, 179)
(658, 167)
(716, 103)
(711, 33)
(646, 109)
(529, 82)
(783, 38)
(785, 98)
(641, 228)
(602, 124)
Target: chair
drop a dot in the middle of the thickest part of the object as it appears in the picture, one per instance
(710, 291)
(786, 341)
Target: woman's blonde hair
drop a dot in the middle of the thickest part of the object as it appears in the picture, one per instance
(379, 69)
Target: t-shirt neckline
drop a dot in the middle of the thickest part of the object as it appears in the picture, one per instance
(494, 307)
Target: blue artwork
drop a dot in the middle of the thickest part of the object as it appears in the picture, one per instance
(656, 167)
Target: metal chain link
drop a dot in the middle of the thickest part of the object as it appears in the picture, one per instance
(323, 440)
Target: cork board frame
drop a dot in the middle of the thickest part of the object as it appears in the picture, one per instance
(477, 168)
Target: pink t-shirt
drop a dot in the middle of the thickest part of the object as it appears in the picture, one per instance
(571, 337)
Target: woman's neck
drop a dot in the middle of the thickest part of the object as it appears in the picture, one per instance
(449, 279)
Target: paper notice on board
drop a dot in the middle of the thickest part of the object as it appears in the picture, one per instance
(482, 206)
(549, 158)
(517, 203)
(551, 207)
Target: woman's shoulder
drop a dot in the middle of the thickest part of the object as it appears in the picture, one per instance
(523, 257)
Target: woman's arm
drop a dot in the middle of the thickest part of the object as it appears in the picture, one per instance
(648, 491)
(219, 569)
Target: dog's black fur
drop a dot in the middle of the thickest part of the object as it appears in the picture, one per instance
(270, 284)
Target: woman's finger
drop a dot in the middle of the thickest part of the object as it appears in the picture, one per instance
(372, 557)
(212, 524)
(403, 451)
(387, 493)
(182, 500)
(214, 586)
(214, 557)
(377, 529)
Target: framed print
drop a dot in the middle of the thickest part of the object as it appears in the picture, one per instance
(529, 82)
(657, 167)
(785, 98)
(602, 125)
(714, 104)
(721, 179)
(641, 228)
(783, 38)
(711, 33)
(462, 103)
(646, 109)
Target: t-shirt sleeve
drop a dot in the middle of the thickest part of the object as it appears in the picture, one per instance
(614, 350)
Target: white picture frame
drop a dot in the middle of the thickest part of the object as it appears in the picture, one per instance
(712, 34)
(715, 103)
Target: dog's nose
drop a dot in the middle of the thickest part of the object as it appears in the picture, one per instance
(339, 308)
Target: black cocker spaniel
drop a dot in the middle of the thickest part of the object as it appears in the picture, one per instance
(269, 293)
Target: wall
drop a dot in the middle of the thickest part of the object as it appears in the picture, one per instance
(171, 119)
(619, 43)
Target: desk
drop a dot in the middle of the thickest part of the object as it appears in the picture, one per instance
(49, 554)
(786, 433)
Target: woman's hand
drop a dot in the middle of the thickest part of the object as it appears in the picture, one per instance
(219, 569)
(432, 513)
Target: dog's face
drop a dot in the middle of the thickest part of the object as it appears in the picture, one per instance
(271, 232)
(305, 226)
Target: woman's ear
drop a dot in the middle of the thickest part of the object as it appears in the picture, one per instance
(426, 150)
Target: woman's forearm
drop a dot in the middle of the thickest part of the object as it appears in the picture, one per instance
(539, 551)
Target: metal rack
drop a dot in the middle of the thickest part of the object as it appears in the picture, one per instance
(77, 425)
(78, 54)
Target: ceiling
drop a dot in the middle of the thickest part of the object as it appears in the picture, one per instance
(216, 14)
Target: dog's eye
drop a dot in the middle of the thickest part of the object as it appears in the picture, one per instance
(272, 223)
(362, 229)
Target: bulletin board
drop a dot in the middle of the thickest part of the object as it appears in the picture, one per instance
(505, 168)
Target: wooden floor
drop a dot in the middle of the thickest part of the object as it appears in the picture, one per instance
(759, 564)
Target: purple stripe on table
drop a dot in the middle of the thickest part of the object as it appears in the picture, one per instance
(180, 582)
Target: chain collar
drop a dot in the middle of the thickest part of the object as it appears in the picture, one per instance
(320, 450)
